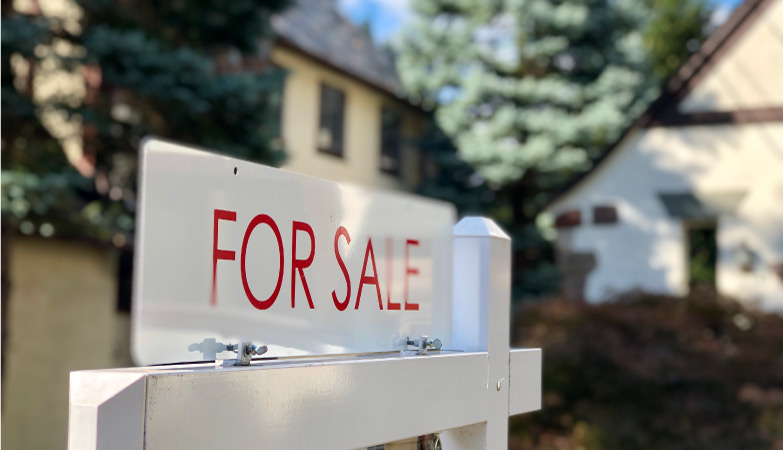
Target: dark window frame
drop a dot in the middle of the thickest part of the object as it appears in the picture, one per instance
(391, 144)
(605, 215)
(569, 219)
(332, 117)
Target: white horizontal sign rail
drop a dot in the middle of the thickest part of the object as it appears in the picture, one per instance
(293, 405)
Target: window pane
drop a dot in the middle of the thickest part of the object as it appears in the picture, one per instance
(390, 141)
(330, 130)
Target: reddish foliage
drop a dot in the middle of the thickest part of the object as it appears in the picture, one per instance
(654, 372)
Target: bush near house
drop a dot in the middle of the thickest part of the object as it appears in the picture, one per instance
(654, 372)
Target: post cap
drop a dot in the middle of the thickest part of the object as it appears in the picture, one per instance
(474, 226)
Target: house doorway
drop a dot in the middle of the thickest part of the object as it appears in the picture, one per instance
(702, 254)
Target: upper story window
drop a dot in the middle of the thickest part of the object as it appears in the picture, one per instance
(330, 128)
(390, 141)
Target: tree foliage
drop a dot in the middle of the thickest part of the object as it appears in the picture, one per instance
(188, 71)
(543, 85)
(653, 372)
(529, 84)
(675, 31)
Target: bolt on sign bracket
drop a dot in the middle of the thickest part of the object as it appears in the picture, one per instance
(245, 351)
(422, 345)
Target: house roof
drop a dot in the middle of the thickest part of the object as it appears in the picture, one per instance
(663, 111)
(317, 29)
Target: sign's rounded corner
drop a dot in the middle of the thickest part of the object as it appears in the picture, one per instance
(147, 141)
(137, 351)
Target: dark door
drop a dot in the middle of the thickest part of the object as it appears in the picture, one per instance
(702, 254)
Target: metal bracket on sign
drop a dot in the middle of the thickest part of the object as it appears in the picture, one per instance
(422, 344)
(245, 351)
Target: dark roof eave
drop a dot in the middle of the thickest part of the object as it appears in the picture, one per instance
(287, 44)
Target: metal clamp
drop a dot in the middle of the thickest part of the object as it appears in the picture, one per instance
(248, 351)
(422, 344)
(209, 349)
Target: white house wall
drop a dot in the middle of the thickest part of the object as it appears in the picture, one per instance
(646, 248)
(751, 73)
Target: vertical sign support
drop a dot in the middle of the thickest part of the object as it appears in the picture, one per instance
(481, 322)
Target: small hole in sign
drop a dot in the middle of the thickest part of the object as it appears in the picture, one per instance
(235, 170)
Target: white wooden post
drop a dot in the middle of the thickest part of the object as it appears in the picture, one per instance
(107, 410)
(481, 322)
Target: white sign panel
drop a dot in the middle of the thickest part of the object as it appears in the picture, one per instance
(231, 250)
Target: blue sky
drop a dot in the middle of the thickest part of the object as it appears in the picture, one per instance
(387, 17)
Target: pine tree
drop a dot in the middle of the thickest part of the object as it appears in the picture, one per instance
(529, 84)
(194, 72)
(532, 92)
(36, 178)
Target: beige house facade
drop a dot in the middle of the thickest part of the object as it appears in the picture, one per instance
(361, 161)
(693, 192)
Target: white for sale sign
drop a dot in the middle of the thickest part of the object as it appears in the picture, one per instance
(235, 251)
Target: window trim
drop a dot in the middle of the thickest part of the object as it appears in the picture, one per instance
(332, 151)
(398, 169)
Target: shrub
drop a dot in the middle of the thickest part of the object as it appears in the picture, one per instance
(653, 372)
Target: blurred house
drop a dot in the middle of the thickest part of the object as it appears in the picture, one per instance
(692, 194)
(344, 118)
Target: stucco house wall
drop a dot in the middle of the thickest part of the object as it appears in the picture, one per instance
(646, 248)
(750, 75)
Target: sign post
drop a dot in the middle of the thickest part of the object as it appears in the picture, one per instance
(380, 390)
